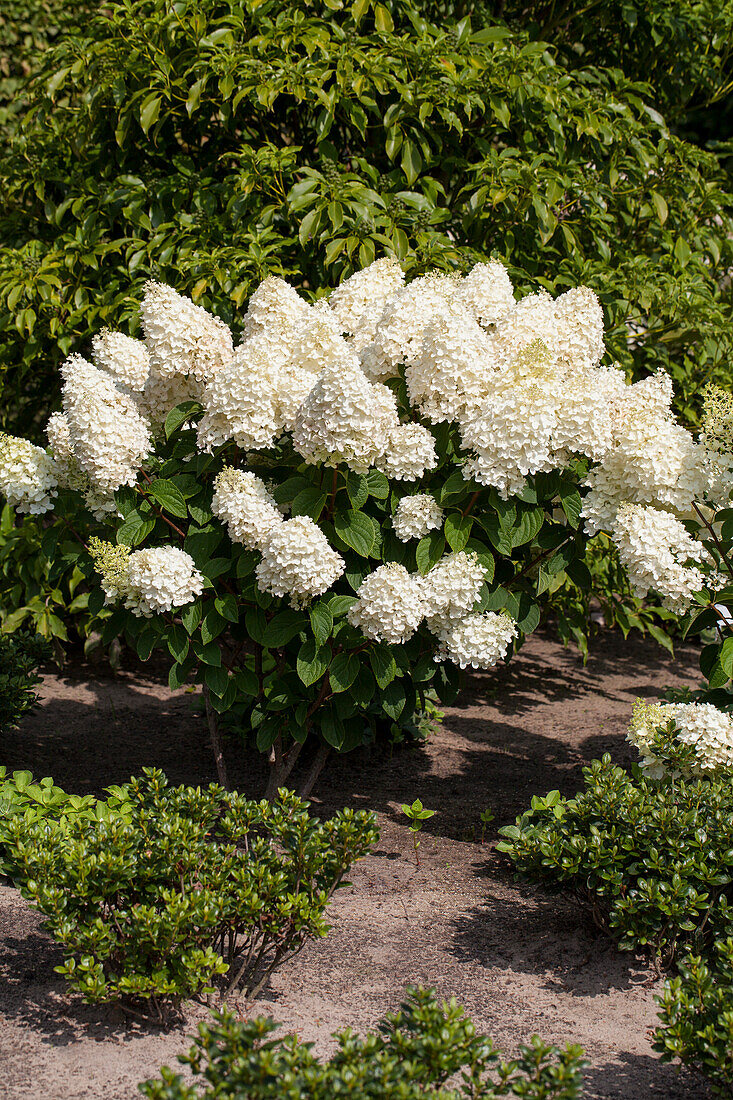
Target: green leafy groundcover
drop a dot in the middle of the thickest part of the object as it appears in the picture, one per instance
(20, 656)
(414, 1053)
(302, 140)
(651, 859)
(155, 902)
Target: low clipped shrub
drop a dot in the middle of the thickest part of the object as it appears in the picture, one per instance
(651, 859)
(26, 803)
(194, 883)
(412, 1055)
(20, 656)
(696, 1014)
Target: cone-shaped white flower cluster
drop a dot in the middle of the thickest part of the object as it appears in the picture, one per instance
(28, 477)
(127, 360)
(478, 641)
(108, 437)
(150, 581)
(298, 562)
(417, 516)
(241, 501)
(701, 726)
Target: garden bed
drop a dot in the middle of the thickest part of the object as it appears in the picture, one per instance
(519, 961)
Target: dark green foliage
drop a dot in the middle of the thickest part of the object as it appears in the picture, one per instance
(29, 803)
(152, 907)
(696, 1014)
(682, 48)
(210, 143)
(41, 584)
(414, 1054)
(20, 656)
(652, 860)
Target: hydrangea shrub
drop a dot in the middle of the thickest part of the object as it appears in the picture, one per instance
(366, 493)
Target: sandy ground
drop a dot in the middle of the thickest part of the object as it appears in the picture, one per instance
(520, 961)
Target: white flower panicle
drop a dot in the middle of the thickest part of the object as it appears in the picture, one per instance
(68, 471)
(451, 372)
(345, 418)
(150, 581)
(274, 307)
(478, 640)
(183, 338)
(417, 516)
(409, 453)
(707, 731)
(657, 551)
(108, 436)
(298, 562)
(401, 327)
(511, 435)
(126, 359)
(241, 501)
(451, 588)
(359, 301)
(389, 606)
(28, 476)
(578, 328)
(241, 402)
(486, 293)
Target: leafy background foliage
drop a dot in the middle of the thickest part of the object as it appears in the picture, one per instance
(211, 143)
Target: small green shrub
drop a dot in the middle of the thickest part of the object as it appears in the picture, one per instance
(29, 803)
(412, 1055)
(696, 1014)
(20, 656)
(151, 908)
(652, 860)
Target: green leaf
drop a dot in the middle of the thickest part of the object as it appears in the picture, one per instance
(457, 529)
(339, 605)
(382, 19)
(179, 415)
(321, 621)
(283, 628)
(177, 640)
(228, 607)
(216, 678)
(312, 661)
(393, 699)
(725, 657)
(149, 112)
(571, 504)
(660, 206)
(212, 625)
(378, 484)
(332, 728)
(309, 502)
(343, 671)
(169, 497)
(383, 664)
(145, 643)
(527, 526)
(208, 653)
(411, 160)
(356, 531)
(357, 487)
(429, 551)
(191, 616)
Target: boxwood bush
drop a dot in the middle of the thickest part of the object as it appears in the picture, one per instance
(652, 860)
(414, 1054)
(696, 1017)
(153, 906)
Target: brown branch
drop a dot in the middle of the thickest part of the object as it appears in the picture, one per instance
(213, 724)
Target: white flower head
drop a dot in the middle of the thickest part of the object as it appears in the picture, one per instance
(298, 562)
(389, 607)
(359, 301)
(345, 418)
(28, 476)
(183, 338)
(107, 435)
(241, 501)
(409, 452)
(417, 516)
(451, 588)
(478, 640)
(657, 552)
(126, 359)
(451, 371)
(275, 306)
(150, 581)
(707, 730)
(486, 293)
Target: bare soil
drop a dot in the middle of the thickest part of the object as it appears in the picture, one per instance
(519, 960)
